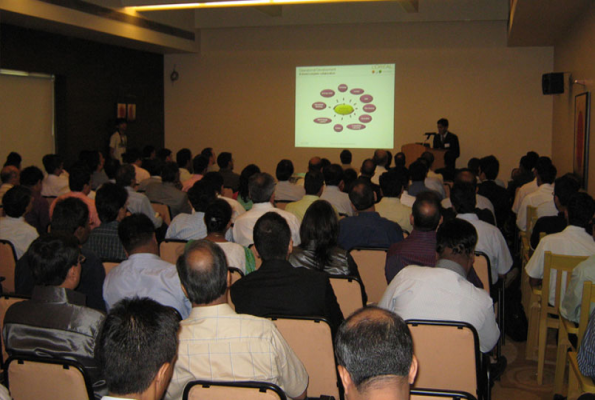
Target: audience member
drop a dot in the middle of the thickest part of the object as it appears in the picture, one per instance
(111, 168)
(9, 175)
(149, 153)
(134, 158)
(192, 226)
(277, 288)
(164, 155)
(381, 161)
(210, 155)
(285, 190)
(521, 175)
(237, 347)
(167, 193)
(418, 171)
(216, 180)
(18, 201)
(111, 206)
(136, 350)
(137, 202)
(313, 184)
(390, 207)
(199, 166)
(333, 190)
(349, 178)
(13, 159)
(55, 323)
(530, 187)
(262, 193)
(367, 228)
(570, 306)
(473, 165)
(39, 216)
(466, 176)
(184, 160)
(367, 172)
(154, 166)
(494, 190)
(346, 158)
(443, 292)
(429, 157)
(315, 164)
(56, 182)
(586, 352)
(542, 198)
(449, 170)
(244, 192)
(375, 359)
(231, 180)
(95, 161)
(143, 274)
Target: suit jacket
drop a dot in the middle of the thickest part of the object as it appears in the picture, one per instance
(277, 288)
(499, 198)
(451, 142)
(167, 193)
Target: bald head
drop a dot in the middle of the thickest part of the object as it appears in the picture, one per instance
(466, 176)
(368, 168)
(381, 158)
(315, 164)
(426, 212)
(203, 272)
(10, 175)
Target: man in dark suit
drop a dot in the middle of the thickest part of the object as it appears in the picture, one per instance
(277, 288)
(445, 139)
(498, 195)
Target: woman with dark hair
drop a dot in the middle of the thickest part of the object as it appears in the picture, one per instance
(243, 194)
(218, 221)
(319, 250)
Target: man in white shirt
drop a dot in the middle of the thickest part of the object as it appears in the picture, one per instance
(119, 141)
(262, 193)
(184, 160)
(17, 202)
(542, 198)
(56, 182)
(192, 226)
(380, 159)
(285, 190)
(333, 191)
(390, 207)
(134, 158)
(489, 238)
(9, 177)
(443, 292)
(137, 202)
(572, 241)
(529, 187)
(218, 183)
(465, 175)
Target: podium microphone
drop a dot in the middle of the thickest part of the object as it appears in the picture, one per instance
(428, 134)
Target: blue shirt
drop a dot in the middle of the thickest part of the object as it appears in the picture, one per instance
(146, 275)
(368, 229)
(586, 353)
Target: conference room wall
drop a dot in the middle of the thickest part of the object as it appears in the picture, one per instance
(238, 95)
(574, 54)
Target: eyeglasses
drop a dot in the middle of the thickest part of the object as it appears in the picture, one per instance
(82, 259)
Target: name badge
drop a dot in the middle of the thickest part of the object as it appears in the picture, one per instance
(446, 145)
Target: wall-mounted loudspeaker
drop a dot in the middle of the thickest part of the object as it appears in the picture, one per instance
(552, 83)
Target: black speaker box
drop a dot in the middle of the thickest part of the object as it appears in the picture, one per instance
(552, 83)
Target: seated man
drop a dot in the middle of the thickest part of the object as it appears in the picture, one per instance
(418, 171)
(135, 158)
(153, 166)
(111, 206)
(313, 184)
(333, 190)
(572, 241)
(137, 202)
(493, 190)
(542, 198)
(231, 180)
(570, 307)
(192, 226)
(375, 359)
(17, 202)
(218, 344)
(184, 160)
(137, 348)
(586, 353)
(144, 274)
(167, 193)
(9, 175)
(216, 180)
(443, 292)
(39, 216)
(390, 207)
(367, 228)
(71, 216)
(381, 160)
(55, 323)
(279, 288)
(56, 182)
(531, 186)
(285, 190)
(262, 193)
(484, 207)
(200, 164)
(346, 158)
(367, 173)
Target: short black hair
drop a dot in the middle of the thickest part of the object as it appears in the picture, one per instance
(526, 163)
(564, 188)
(13, 159)
(391, 184)
(247, 172)
(79, 177)
(345, 157)
(111, 167)
(368, 167)
(458, 235)
(315, 164)
(272, 236)
(223, 159)
(400, 159)
(183, 156)
(138, 336)
(533, 157)
(443, 122)
(546, 170)
(466, 175)
(201, 194)
(217, 216)
(207, 152)
(261, 187)
(325, 162)
(148, 151)
(426, 211)
(206, 279)
(162, 154)
(418, 171)
(473, 165)
(374, 343)
(69, 214)
(490, 166)
(362, 195)
(429, 157)
(126, 173)
(51, 256)
(131, 156)
(284, 170)
(135, 230)
(463, 198)
(380, 157)
(31, 176)
(333, 175)
(153, 166)
(313, 182)
(110, 198)
(200, 164)
(215, 179)
(170, 171)
(16, 200)
(581, 208)
(51, 162)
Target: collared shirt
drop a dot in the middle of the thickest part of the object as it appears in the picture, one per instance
(417, 187)
(338, 199)
(139, 203)
(118, 142)
(218, 344)
(186, 185)
(105, 242)
(368, 229)
(570, 307)
(17, 232)
(436, 185)
(419, 248)
(167, 193)
(572, 241)
(244, 225)
(140, 173)
(586, 353)
(230, 179)
(142, 186)
(442, 293)
(54, 186)
(288, 191)
(146, 275)
(299, 208)
(392, 209)
(491, 242)
(238, 256)
(407, 199)
(523, 191)
(94, 220)
(187, 227)
(98, 178)
(543, 194)
(481, 202)
(377, 174)
(5, 187)
(236, 208)
(432, 174)
(184, 175)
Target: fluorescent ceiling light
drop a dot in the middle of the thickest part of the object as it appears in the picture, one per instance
(238, 3)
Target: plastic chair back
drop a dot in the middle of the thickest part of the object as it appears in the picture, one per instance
(170, 250)
(371, 263)
(5, 303)
(427, 394)
(206, 390)
(483, 270)
(349, 292)
(8, 262)
(163, 210)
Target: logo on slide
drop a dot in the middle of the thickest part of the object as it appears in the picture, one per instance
(349, 110)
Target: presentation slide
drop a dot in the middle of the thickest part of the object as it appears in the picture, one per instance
(345, 106)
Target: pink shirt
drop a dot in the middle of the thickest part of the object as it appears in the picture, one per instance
(190, 182)
(93, 216)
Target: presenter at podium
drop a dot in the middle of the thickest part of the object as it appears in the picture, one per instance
(446, 140)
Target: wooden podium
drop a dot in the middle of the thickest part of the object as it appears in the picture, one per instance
(414, 150)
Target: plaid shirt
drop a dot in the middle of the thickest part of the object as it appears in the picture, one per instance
(419, 248)
(105, 243)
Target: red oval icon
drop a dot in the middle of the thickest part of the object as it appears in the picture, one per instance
(356, 127)
(366, 98)
(322, 120)
(356, 91)
(319, 105)
(369, 108)
(338, 128)
(327, 93)
(342, 88)
(365, 118)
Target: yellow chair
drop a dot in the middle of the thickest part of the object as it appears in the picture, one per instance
(371, 263)
(483, 270)
(281, 204)
(236, 275)
(349, 292)
(5, 303)
(8, 263)
(531, 219)
(171, 249)
(560, 267)
(109, 265)
(208, 390)
(163, 210)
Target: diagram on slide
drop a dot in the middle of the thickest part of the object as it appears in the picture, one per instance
(346, 108)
